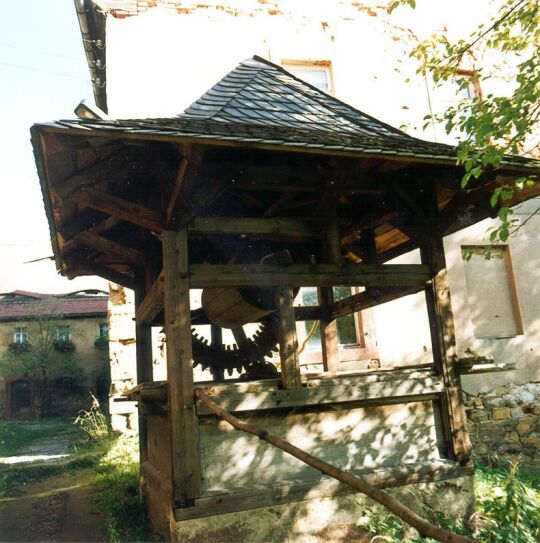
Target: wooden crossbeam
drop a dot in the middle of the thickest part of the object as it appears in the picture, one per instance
(371, 298)
(98, 228)
(110, 247)
(284, 229)
(102, 170)
(118, 207)
(126, 280)
(151, 304)
(298, 275)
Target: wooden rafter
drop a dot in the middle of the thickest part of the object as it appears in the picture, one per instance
(121, 209)
(112, 248)
(104, 169)
(152, 303)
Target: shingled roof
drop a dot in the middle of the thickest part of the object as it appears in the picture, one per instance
(260, 102)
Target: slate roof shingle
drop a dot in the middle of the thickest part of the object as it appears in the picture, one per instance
(260, 102)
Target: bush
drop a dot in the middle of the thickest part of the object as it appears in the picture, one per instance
(101, 343)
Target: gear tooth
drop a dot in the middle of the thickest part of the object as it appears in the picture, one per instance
(229, 372)
(193, 330)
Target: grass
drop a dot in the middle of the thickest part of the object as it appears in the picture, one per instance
(507, 503)
(118, 498)
(17, 435)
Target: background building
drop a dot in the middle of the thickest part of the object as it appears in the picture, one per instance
(76, 325)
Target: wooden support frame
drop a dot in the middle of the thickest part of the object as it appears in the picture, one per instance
(288, 342)
(183, 422)
(443, 340)
(303, 275)
(143, 348)
(329, 330)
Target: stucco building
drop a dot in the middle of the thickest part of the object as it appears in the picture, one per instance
(75, 324)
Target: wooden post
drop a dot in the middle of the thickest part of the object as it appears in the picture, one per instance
(288, 342)
(443, 339)
(143, 336)
(329, 331)
(183, 421)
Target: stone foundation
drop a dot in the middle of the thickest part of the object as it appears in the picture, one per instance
(321, 520)
(505, 422)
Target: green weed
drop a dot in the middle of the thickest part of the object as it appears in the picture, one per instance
(507, 503)
(118, 495)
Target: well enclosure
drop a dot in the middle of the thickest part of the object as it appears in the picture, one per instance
(264, 186)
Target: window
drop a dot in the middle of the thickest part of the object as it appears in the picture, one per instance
(20, 335)
(347, 326)
(316, 73)
(62, 333)
(103, 331)
(491, 292)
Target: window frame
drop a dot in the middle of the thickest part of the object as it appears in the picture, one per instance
(60, 335)
(20, 334)
(312, 65)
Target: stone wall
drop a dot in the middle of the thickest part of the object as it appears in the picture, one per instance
(505, 422)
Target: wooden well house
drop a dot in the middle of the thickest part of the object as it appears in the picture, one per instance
(263, 186)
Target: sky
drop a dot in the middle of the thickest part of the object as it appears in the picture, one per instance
(43, 76)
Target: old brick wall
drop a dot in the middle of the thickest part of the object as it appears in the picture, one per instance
(505, 422)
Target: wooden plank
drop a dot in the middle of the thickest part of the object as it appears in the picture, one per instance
(288, 342)
(152, 303)
(118, 207)
(283, 229)
(184, 440)
(298, 275)
(423, 386)
(221, 503)
(370, 298)
(105, 169)
(110, 247)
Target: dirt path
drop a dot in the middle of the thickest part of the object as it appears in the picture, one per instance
(55, 509)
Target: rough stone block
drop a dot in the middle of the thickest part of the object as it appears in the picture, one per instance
(501, 413)
(524, 426)
(525, 396)
(533, 439)
(517, 413)
(490, 403)
(512, 437)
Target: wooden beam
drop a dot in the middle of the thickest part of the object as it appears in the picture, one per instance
(288, 342)
(329, 330)
(369, 298)
(143, 349)
(443, 339)
(284, 229)
(183, 423)
(177, 188)
(105, 169)
(152, 303)
(298, 275)
(102, 271)
(325, 487)
(110, 247)
(399, 387)
(118, 207)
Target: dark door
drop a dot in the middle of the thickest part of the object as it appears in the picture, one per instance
(21, 397)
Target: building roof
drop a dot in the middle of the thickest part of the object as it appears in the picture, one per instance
(20, 305)
(260, 102)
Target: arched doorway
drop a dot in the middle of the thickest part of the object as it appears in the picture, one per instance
(20, 398)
